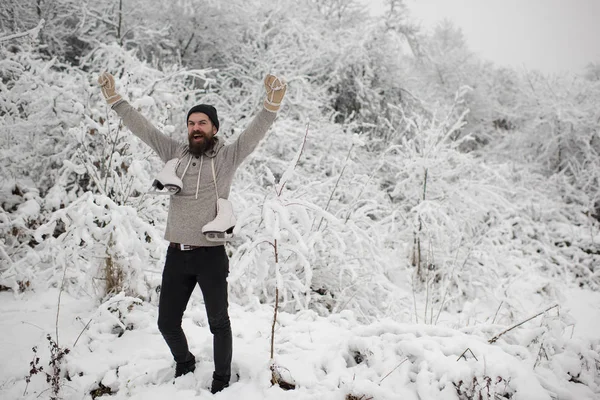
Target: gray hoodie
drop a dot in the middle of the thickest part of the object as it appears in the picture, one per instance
(196, 204)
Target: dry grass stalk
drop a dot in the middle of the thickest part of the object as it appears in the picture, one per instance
(113, 274)
(495, 338)
(355, 397)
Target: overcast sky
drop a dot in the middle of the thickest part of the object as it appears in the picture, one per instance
(549, 35)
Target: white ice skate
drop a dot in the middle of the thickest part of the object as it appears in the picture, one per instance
(167, 182)
(221, 228)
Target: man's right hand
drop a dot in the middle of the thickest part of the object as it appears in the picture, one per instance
(107, 84)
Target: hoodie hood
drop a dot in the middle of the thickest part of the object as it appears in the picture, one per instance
(217, 145)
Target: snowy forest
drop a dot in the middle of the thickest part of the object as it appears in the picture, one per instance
(425, 223)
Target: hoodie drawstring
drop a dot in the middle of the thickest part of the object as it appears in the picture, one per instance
(215, 178)
(186, 167)
(199, 172)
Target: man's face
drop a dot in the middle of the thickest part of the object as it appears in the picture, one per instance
(200, 132)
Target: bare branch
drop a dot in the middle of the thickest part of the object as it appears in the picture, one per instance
(465, 352)
(297, 159)
(101, 18)
(337, 182)
(81, 333)
(397, 366)
(494, 320)
(495, 338)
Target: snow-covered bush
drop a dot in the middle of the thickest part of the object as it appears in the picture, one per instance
(37, 106)
(62, 142)
(94, 247)
(323, 261)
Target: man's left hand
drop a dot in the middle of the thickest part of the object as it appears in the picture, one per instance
(275, 88)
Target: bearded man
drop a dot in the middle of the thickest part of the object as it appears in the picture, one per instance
(205, 166)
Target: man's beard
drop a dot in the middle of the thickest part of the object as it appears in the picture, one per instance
(198, 148)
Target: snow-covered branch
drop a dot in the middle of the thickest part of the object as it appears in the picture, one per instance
(33, 33)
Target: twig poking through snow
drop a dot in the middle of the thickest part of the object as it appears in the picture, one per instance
(337, 182)
(493, 340)
(397, 366)
(494, 320)
(287, 173)
(274, 321)
(81, 333)
(62, 287)
(465, 352)
(414, 300)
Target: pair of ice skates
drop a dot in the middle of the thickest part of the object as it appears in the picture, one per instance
(218, 230)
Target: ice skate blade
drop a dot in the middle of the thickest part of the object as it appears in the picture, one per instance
(167, 191)
(219, 237)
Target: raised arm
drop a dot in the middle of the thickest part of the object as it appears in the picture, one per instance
(164, 146)
(252, 135)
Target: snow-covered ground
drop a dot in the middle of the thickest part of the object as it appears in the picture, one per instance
(584, 307)
(327, 358)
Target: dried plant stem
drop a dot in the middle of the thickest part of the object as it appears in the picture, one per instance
(426, 296)
(418, 235)
(120, 22)
(337, 182)
(539, 355)
(81, 333)
(275, 376)
(425, 184)
(360, 193)
(34, 325)
(415, 301)
(62, 286)
(296, 162)
(430, 262)
(92, 173)
(495, 338)
(498, 310)
(112, 151)
(395, 368)
(274, 244)
(465, 352)
(274, 321)
(448, 285)
(348, 301)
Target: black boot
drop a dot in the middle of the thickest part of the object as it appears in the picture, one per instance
(185, 367)
(218, 384)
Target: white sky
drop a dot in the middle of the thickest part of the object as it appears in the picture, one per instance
(549, 35)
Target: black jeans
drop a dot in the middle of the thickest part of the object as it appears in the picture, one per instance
(208, 267)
